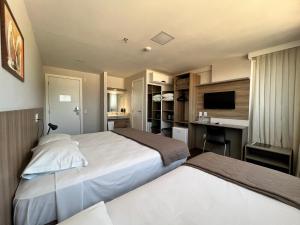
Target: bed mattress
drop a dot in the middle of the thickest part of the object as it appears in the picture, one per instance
(116, 166)
(188, 196)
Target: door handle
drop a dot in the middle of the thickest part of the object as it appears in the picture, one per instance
(77, 110)
(139, 110)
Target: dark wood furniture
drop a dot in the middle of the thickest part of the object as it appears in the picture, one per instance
(270, 156)
(154, 108)
(236, 134)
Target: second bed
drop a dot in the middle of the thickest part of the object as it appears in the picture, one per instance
(116, 165)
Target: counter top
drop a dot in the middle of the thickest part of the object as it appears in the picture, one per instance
(220, 125)
(117, 117)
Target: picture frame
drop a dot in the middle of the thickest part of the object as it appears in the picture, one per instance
(12, 43)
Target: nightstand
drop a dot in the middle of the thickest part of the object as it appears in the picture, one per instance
(270, 156)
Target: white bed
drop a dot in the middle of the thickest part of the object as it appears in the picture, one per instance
(188, 196)
(116, 166)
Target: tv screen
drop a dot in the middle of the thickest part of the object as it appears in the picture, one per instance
(219, 100)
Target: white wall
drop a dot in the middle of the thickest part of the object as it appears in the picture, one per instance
(231, 68)
(90, 96)
(15, 94)
(115, 82)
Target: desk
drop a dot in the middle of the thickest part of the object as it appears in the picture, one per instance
(236, 134)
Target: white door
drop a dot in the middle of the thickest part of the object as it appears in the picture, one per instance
(137, 103)
(64, 104)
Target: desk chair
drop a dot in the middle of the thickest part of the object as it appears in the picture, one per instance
(216, 135)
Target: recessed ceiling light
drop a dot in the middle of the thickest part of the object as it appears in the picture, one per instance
(162, 38)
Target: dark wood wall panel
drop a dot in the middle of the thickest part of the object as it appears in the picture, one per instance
(18, 134)
(241, 88)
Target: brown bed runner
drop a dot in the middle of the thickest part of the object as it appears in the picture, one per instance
(272, 183)
(170, 150)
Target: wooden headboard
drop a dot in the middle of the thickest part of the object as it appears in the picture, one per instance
(18, 134)
(241, 88)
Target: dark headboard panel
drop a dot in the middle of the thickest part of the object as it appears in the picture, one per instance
(18, 134)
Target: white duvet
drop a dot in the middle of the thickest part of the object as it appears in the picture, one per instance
(187, 196)
(116, 166)
(105, 152)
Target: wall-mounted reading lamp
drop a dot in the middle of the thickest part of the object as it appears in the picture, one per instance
(51, 127)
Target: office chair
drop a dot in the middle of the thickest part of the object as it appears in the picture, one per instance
(216, 135)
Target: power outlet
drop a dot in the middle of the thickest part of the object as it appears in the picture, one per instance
(36, 117)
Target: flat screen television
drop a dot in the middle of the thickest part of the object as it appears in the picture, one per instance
(219, 100)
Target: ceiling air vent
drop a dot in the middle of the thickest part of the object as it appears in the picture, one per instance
(162, 38)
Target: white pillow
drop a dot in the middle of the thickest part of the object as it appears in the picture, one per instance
(53, 137)
(54, 156)
(93, 215)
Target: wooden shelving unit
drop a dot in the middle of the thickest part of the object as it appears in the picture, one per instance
(184, 101)
(184, 98)
(167, 115)
(154, 108)
(181, 99)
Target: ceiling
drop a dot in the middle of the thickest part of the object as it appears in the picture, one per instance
(87, 35)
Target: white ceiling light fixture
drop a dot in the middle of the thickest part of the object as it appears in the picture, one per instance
(162, 38)
(147, 49)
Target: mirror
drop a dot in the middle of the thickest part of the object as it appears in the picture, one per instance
(115, 101)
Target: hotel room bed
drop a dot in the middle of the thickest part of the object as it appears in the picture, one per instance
(189, 196)
(116, 166)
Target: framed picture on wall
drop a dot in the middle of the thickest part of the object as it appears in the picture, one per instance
(12, 43)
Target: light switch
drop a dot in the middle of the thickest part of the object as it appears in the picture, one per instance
(36, 117)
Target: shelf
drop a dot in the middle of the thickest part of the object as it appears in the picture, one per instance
(182, 89)
(185, 122)
(155, 119)
(278, 150)
(171, 110)
(156, 110)
(168, 121)
(272, 162)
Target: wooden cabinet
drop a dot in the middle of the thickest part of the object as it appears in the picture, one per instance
(184, 98)
(121, 122)
(159, 78)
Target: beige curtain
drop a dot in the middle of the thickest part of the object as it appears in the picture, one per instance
(275, 101)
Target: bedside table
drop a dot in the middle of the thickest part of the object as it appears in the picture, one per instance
(270, 156)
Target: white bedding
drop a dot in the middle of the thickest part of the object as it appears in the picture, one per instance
(187, 196)
(116, 166)
(94, 215)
